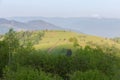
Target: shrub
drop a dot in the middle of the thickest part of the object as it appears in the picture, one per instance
(84, 59)
(88, 75)
(28, 73)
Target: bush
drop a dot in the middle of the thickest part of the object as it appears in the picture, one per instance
(28, 73)
(88, 75)
(73, 39)
(84, 59)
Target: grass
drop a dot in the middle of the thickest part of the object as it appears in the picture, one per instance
(60, 39)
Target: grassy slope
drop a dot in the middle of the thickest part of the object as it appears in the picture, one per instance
(60, 39)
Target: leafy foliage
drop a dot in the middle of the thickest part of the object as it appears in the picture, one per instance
(88, 75)
(25, 63)
(30, 37)
(27, 73)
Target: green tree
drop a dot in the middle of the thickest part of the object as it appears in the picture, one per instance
(12, 42)
(3, 56)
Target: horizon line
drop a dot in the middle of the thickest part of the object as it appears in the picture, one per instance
(59, 17)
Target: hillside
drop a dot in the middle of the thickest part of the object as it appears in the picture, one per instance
(58, 55)
(116, 39)
(61, 40)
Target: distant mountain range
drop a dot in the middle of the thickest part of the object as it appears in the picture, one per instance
(5, 25)
(96, 26)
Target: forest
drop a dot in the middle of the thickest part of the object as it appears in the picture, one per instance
(20, 60)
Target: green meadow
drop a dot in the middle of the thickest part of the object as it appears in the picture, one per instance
(61, 39)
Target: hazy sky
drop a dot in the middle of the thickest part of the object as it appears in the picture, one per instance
(60, 8)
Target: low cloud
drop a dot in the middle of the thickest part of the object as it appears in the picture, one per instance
(96, 16)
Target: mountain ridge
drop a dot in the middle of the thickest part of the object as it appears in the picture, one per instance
(5, 25)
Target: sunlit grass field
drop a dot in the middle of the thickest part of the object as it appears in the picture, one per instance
(60, 39)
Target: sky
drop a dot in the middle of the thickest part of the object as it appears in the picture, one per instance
(60, 8)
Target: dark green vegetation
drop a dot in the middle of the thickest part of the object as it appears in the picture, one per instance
(20, 61)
